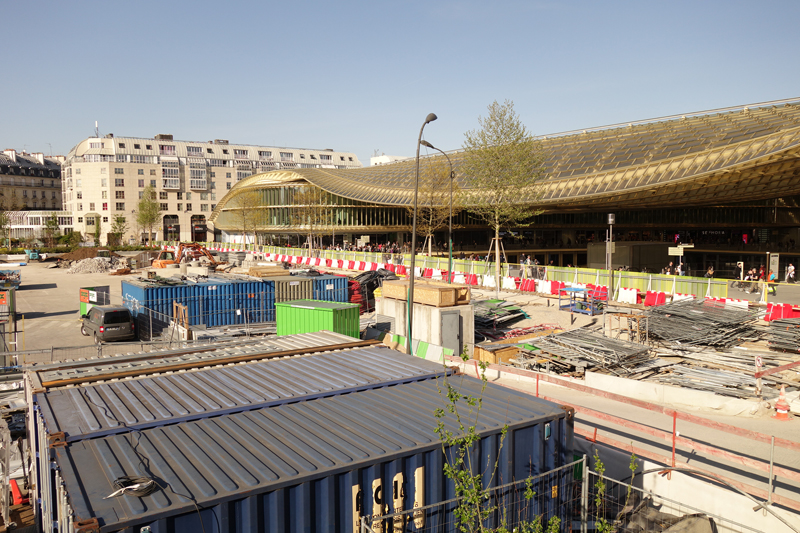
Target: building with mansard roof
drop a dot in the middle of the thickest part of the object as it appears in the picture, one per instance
(29, 181)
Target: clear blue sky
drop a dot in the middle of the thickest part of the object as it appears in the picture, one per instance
(360, 76)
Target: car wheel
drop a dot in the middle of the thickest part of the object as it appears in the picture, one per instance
(96, 340)
(83, 330)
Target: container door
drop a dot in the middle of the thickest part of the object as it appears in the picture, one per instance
(452, 337)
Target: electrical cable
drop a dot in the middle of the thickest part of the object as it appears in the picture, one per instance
(139, 486)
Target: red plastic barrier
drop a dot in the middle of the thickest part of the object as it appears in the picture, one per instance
(661, 298)
(556, 286)
(650, 299)
(400, 270)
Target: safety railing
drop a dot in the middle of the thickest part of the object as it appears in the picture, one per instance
(675, 438)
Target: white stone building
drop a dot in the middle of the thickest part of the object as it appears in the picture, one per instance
(104, 177)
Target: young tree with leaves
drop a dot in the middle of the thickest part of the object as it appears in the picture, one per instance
(8, 204)
(51, 230)
(503, 165)
(148, 212)
(119, 226)
(433, 205)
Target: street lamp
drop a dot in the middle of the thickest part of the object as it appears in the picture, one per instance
(610, 255)
(450, 228)
(430, 118)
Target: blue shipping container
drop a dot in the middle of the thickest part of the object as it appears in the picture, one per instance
(330, 288)
(214, 302)
(316, 465)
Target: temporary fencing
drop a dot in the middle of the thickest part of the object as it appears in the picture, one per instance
(74, 353)
(538, 498)
(677, 438)
(697, 286)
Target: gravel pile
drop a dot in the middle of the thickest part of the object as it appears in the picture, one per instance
(96, 265)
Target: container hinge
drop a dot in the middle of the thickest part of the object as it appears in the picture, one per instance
(86, 526)
(57, 440)
(570, 411)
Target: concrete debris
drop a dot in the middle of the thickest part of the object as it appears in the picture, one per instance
(96, 265)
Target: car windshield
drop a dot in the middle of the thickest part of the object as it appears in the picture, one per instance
(117, 317)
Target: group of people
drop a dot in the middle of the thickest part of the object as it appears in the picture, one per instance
(750, 281)
(672, 269)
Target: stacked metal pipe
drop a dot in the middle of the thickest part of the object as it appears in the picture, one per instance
(702, 323)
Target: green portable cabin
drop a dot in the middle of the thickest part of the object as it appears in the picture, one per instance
(311, 316)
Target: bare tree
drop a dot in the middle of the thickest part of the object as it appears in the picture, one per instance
(433, 204)
(312, 211)
(504, 165)
(246, 208)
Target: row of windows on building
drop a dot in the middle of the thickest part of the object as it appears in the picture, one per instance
(120, 206)
(162, 195)
(9, 180)
(197, 151)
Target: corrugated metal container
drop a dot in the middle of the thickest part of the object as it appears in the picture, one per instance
(94, 410)
(316, 465)
(288, 288)
(214, 302)
(309, 316)
(194, 355)
(329, 288)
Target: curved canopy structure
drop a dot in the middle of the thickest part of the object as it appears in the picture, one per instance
(710, 158)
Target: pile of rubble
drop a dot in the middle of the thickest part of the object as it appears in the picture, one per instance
(96, 265)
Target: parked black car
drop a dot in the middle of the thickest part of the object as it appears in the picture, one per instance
(111, 323)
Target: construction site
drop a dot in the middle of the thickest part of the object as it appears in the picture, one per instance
(280, 392)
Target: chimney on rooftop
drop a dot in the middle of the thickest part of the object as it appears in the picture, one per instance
(163, 137)
(39, 157)
(10, 153)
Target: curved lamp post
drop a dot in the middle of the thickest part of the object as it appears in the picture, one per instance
(450, 227)
(430, 118)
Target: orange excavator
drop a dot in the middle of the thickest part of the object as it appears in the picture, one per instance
(187, 251)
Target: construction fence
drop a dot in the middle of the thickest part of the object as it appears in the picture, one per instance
(569, 498)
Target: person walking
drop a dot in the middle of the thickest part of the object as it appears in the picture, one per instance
(790, 273)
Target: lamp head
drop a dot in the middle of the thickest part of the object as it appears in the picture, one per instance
(426, 144)
(430, 118)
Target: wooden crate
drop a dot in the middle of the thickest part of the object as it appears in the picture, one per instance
(424, 293)
(499, 351)
(266, 271)
(463, 293)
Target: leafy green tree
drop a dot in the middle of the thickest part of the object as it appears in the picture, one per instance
(148, 212)
(51, 229)
(503, 166)
(8, 204)
(119, 227)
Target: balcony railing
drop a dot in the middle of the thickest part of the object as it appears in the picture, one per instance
(171, 183)
(198, 184)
